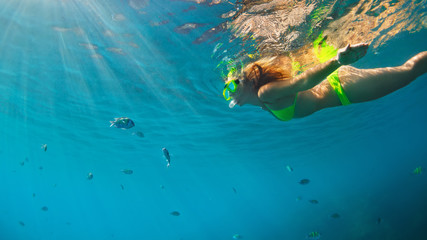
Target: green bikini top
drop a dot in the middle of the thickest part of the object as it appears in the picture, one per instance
(287, 113)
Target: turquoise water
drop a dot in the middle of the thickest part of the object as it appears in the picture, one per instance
(67, 68)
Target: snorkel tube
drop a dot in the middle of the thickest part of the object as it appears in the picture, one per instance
(231, 84)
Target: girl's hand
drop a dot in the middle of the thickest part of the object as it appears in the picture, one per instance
(351, 54)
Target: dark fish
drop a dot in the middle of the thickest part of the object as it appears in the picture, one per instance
(234, 190)
(175, 213)
(379, 220)
(313, 236)
(335, 215)
(139, 134)
(313, 201)
(34, 195)
(417, 171)
(44, 147)
(22, 163)
(304, 181)
(45, 208)
(21, 223)
(41, 167)
(123, 187)
(167, 156)
(122, 122)
(127, 171)
(90, 176)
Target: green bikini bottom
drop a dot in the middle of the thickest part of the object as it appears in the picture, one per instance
(287, 113)
(334, 80)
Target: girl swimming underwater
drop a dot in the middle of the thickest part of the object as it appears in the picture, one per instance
(268, 83)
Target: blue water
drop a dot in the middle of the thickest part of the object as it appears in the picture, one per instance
(228, 166)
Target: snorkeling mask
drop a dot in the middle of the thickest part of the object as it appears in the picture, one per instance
(230, 86)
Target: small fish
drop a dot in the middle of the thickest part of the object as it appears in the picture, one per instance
(21, 223)
(139, 134)
(122, 122)
(335, 215)
(234, 190)
(304, 181)
(313, 236)
(162, 187)
(34, 195)
(167, 156)
(123, 187)
(90, 176)
(22, 163)
(175, 213)
(127, 171)
(41, 167)
(44, 208)
(299, 198)
(379, 220)
(44, 147)
(237, 236)
(289, 168)
(418, 170)
(313, 201)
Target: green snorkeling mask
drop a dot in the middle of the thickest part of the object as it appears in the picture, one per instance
(230, 86)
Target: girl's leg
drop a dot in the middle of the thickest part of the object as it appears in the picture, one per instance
(363, 85)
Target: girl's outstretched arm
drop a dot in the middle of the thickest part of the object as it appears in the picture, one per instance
(314, 75)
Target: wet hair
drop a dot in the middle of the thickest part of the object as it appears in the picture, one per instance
(266, 70)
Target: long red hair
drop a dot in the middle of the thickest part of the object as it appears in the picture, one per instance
(268, 70)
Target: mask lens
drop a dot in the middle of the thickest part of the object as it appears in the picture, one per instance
(230, 86)
(226, 94)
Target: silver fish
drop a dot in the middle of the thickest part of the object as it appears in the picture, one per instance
(304, 181)
(90, 176)
(127, 171)
(122, 122)
(167, 156)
